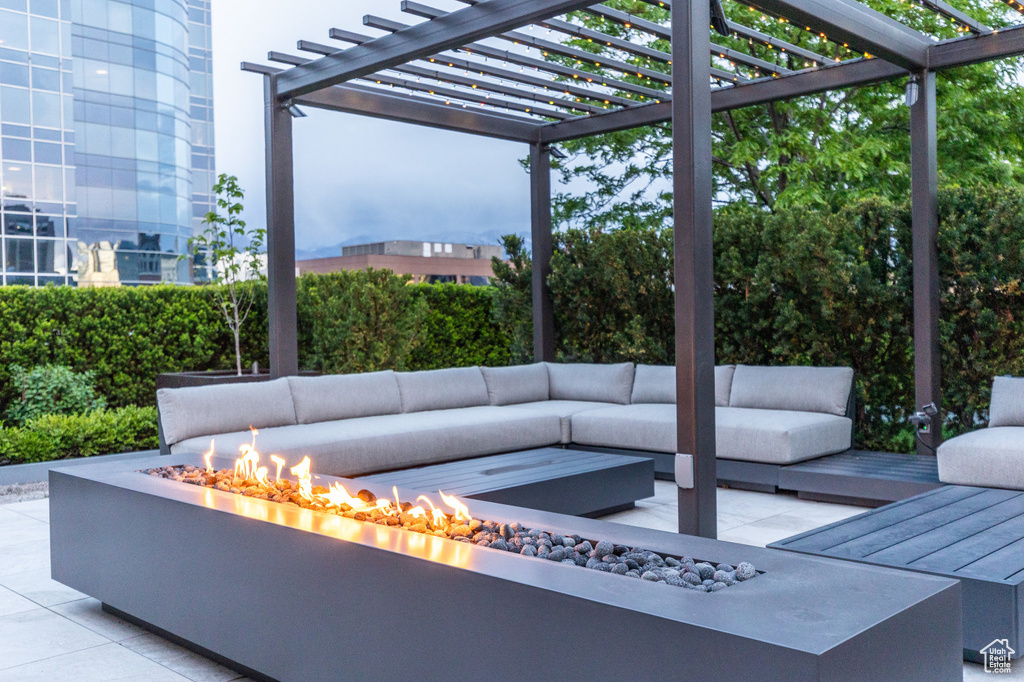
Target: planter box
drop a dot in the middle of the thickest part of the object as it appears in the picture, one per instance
(284, 593)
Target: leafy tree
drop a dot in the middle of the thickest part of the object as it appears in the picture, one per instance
(823, 150)
(236, 253)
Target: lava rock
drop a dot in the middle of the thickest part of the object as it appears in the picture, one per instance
(633, 565)
(543, 552)
(529, 550)
(745, 571)
(725, 577)
(500, 544)
(705, 571)
(580, 559)
(506, 531)
(675, 581)
(708, 583)
(593, 562)
(557, 540)
(534, 533)
(620, 569)
(527, 540)
(584, 547)
(717, 586)
(691, 578)
(632, 574)
(479, 537)
(569, 561)
(601, 566)
(611, 559)
(724, 567)
(651, 576)
(621, 549)
(476, 525)
(366, 496)
(557, 554)
(460, 532)
(673, 562)
(603, 549)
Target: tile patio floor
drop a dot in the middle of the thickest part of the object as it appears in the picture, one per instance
(51, 632)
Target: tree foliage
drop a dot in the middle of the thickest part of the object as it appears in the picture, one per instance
(821, 151)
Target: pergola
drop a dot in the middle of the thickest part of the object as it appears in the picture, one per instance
(447, 72)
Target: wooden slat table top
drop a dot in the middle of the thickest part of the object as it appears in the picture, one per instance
(957, 531)
(883, 465)
(495, 472)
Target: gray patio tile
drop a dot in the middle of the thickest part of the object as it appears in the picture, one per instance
(18, 528)
(22, 557)
(40, 588)
(973, 672)
(104, 663)
(181, 660)
(12, 602)
(38, 634)
(659, 517)
(36, 509)
(88, 613)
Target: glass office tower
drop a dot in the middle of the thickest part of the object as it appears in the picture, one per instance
(97, 99)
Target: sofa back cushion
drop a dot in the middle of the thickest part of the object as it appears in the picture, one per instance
(344, 396)
(1007, 407)
(593, 383)
(801, 389)
(224, 408)
(442, 389)
(657, 384)
(515, 385)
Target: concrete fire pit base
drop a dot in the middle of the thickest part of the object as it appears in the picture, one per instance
(286, 593)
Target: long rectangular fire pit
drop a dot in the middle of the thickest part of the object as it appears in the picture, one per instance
(286, 593)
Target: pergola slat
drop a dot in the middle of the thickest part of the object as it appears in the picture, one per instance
(451, 31)
(484, 68)
(479, 85)
(440, 91)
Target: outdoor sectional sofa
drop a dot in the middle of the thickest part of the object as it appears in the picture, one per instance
(350, 425)
(992, 457)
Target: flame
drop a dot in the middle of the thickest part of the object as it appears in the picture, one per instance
(301, 472)
(255, 479)
(209, 467)
(280, 463)
(461, 510)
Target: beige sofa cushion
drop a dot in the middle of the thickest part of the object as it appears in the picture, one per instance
(798, 389)
(517, 384)
(657, 384)
(344, 396)
(564, 410)
(767, 436)
(223, 408)
(442, 389)
(991, 458)
(590, 382)
(352, 447)
(1007, 407)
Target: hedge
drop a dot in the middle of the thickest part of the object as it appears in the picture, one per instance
(805, 287)
(58, 436)
(348, 321)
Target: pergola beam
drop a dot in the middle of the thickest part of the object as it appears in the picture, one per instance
(450, 31)
(542, 248)
(859, 26)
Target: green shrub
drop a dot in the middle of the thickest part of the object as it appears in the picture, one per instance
(58, 436)
(52, 389)
(358, 321)
(456, 329)
(797, 286)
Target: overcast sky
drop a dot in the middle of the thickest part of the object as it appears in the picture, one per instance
(356, 176)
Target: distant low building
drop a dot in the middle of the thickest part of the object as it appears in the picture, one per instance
(432, 262)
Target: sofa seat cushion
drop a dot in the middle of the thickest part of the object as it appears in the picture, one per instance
(767, 436)
(990, 458)
(366, 444)
(564, 410)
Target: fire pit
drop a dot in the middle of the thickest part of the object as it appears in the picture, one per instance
(279, 591)
(252, 480)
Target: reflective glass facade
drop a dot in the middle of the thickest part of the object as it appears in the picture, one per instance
(97, 99)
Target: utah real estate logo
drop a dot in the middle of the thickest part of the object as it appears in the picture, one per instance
(997, 656)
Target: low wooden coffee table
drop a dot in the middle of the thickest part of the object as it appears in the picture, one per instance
(975, 535)
(557, 480)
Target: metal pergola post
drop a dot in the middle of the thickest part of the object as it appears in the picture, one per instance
(696, 466)
(281, 288)
(925, 228)
(540, 222)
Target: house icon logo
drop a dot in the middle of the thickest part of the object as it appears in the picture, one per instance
(997, 656)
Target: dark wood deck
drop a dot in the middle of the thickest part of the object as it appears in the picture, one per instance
(862, 477)
(558, 480)
(973, 534)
